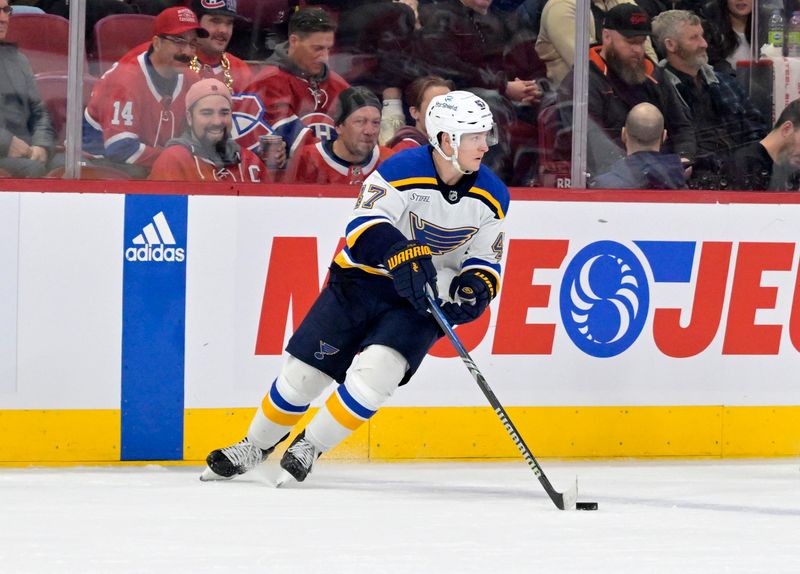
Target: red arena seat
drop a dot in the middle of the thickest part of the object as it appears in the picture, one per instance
(53, 89)
(43, 38)
(114, 35)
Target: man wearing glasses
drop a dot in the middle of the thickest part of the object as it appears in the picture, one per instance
(138, 105)
(26, 134)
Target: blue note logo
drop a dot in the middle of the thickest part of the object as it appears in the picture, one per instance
(604, 299)
(324, 350)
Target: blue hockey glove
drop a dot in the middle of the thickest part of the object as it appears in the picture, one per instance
(411, 266)
(473, 291)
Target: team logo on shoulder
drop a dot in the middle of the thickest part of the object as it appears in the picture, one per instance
(248, 120)
(325, 349)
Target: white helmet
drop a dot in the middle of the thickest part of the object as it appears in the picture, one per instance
(455, 114)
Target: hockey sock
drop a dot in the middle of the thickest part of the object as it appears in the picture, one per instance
(369, 384)
(286, 402)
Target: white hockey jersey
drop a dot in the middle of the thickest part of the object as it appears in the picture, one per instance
(462, 224)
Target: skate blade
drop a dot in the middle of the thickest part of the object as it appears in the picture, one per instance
(209, 475)
(283, 478)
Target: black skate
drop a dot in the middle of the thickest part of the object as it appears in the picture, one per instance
(225, 463)
(298, 460)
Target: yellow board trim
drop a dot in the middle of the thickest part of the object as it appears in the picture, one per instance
(60, 435)
(402, 433)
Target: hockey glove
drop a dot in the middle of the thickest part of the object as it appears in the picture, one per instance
(411, 266)
(473, 290)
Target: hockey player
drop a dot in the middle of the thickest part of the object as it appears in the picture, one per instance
(206, 152)
(431, 215)
(354, 154)
(296, 87)
(211, 60)
(138, 105)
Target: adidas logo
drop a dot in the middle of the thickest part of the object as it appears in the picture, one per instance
(153, 239)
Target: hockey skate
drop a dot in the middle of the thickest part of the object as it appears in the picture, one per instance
(225, 463)
(298, 460)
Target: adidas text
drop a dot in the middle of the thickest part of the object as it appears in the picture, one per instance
(155, 253)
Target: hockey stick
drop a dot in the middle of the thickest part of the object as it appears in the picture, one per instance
(563, 500)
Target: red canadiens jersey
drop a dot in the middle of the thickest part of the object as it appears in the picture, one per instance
(127, 120)
(240, 72)
(296, 109)
(316, 163)
(177, 163)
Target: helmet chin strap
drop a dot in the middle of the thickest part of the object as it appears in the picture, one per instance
(454, 158)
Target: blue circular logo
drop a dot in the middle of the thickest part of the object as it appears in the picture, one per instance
(604, 299)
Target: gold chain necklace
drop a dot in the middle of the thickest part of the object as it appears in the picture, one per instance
(226, 69)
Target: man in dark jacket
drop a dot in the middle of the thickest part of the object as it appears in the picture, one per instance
(773, 163)
(26, 134)
(645, 167)
(723, 117)
(621, 76)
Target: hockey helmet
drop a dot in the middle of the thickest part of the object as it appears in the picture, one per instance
(455, 114)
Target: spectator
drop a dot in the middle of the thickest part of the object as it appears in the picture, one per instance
(136, 106)
(771, 164)
(354, 154)
(211, 60)
(26, 134)
(556, 41)
(206, 151)
(621, 76)
(296, 86)
(464, 41)
(645, 167)
(728, 27)
(418, 95)
(720, 112)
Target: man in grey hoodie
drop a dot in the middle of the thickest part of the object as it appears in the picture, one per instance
(26, 134)
(296, 87)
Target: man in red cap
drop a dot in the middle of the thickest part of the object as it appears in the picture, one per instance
(137, 105)
(217, 17)
(354, 154)
(205, 151)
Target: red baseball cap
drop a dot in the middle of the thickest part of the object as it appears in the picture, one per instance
(176, 21)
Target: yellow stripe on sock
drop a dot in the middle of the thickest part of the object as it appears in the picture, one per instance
(343, 416)
(279, 417)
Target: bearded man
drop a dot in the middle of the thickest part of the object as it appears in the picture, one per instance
(620, 77)
(723, 117)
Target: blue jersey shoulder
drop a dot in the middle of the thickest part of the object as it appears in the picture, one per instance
(408, 163)
(489, 182)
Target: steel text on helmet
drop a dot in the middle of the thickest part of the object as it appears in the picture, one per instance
(457, 114)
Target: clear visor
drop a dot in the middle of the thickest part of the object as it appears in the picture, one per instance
(479, 139)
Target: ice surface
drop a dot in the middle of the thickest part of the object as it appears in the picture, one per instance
(671, 517)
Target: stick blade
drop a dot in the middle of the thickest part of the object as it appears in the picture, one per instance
(570, 497)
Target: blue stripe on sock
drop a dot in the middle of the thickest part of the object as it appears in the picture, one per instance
(353, 404)
(282, 403)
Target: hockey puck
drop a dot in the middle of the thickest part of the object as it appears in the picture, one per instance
(585, 506)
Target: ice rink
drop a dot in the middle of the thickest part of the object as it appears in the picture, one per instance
(673, 517)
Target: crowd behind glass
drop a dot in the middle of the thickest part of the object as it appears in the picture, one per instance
(681, 94)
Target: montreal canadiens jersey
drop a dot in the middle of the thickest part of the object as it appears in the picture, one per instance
(462, 224)
(127, 120)
(316, 163)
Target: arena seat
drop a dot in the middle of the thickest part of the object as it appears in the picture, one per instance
(4, 173)
(116, 34)
(53, 89)
(43, 38)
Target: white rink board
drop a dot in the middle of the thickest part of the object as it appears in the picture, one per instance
(69, 305)
(70, 302)
(229, 249)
